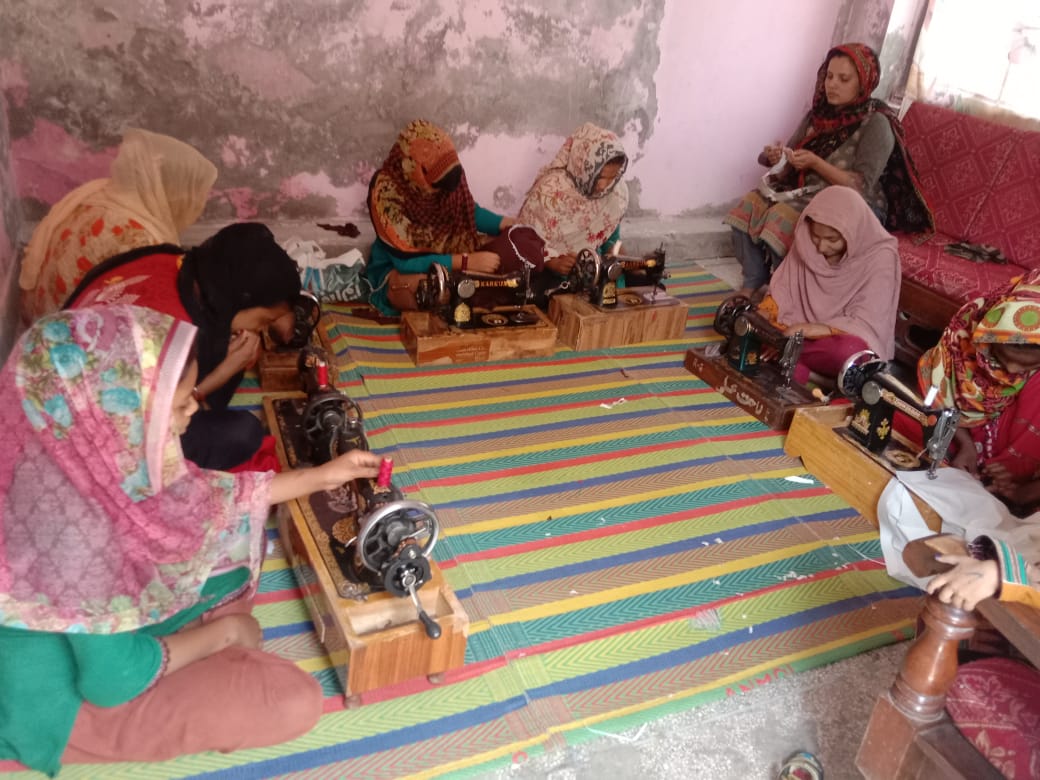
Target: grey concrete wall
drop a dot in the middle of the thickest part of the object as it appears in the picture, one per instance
(10, 226)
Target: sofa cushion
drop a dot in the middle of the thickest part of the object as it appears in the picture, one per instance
(1010, 215)
(953, 277)
(995, 704)
(957, 157)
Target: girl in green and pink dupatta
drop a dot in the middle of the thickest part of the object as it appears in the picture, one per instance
(126, 572)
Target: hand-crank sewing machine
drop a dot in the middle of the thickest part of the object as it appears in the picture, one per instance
(755, 365)
(361, 552)
(596, 277)
(878, 395)
(473, 318)
(597, 313)
(476, 300)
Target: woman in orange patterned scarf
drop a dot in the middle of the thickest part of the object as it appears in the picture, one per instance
(158, 187)
(423, 213)
(986, 365)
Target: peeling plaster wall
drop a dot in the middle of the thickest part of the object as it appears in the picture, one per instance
(297, 103)
(10, 225)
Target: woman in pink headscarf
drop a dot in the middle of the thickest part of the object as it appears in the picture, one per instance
(839, 285)
(126, 572)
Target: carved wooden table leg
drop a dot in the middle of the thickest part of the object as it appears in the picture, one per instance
(909, 734)
(930, 665)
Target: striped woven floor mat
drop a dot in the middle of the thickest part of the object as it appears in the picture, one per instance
(625, 541)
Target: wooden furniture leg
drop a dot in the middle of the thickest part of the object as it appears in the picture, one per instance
(909, 734)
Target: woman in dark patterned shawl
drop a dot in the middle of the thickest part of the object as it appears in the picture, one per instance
(847, 138)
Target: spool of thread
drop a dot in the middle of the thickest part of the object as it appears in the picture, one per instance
(386, 472)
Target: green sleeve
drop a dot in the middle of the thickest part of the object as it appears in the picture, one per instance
(114, 668)
(613, 239)
(488, 222)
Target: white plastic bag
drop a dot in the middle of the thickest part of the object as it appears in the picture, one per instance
(330, 279)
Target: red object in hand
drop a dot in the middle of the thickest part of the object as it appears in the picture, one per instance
(386, 471)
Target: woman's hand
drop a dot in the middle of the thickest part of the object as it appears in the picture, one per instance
(967, 583)
(561, 264)
(967, 457)
(801, 159)
(810, 330)
(244, 630)
(201, 641)
(355, 464)
(243, 351)
(1001, 481)
(483, 262)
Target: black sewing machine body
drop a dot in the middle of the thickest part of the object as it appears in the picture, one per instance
(370, 536)
(596, 276)
(749, 336)
(739, 370)
(877, 396)
(475, 300)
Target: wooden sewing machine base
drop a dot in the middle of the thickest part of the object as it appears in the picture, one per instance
(639, 316)
(849, 469)
(376, 639)
(758, 395)
(431, 340)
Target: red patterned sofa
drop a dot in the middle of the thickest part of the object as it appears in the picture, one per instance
(982, 181)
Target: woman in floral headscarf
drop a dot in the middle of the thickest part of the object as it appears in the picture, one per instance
(126, 572)
(423, 213)
(578, 200)
(987, 365)
(847, 138)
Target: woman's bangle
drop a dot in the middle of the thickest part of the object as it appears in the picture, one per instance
(465, 262)
(198, 396)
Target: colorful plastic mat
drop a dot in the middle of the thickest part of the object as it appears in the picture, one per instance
(625, 541)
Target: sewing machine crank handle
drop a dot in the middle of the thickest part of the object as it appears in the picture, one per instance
(433, 630)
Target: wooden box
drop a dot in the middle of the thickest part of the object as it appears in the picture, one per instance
(583, 326)
(430, 340)
(377, 641)
(758, 395)
(277, 367)
(848, 469)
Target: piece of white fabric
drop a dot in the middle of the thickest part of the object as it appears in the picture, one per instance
(965, 506)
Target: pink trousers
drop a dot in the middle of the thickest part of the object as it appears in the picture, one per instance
(826, 356)
(232, 700)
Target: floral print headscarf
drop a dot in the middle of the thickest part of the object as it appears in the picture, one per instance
(962, 365)
(562, 205)
(104, 526)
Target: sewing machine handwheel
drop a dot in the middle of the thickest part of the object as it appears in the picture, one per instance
(411, 561)
(588, 266)
(328, 411)
(388, 525)
(856, 370)
(726, 314)
(306, 314)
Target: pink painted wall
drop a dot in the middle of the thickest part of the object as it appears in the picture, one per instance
(297, 103)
